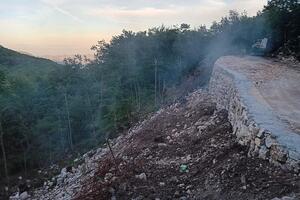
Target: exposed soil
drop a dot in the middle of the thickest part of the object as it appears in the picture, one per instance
(186, 151)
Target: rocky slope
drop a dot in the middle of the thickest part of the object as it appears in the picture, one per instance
(184, 151)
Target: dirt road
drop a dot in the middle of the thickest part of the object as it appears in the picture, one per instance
(277, 83)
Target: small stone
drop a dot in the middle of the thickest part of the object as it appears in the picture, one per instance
(262, 132)
(188, 187)
(214, 161)
(269, 141)
(188, 157)
(142, 176)
(243, 179)
(174, 179)
(162, 144)
(60, 180)
(63, 170)
(162, 184)
(258, 142)
(263, 152)
(50, 183)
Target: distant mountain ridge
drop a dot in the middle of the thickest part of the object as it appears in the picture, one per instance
(60, 58)
(17, 63)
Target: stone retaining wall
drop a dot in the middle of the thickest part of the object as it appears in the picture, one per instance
(227, 92)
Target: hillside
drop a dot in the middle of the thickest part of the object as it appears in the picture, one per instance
(184, 151)
(23, 86)
(194, 148)
(19, 64)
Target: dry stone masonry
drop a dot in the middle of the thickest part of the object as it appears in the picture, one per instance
(253, 122)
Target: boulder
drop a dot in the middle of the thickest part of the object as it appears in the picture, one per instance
(24, 196)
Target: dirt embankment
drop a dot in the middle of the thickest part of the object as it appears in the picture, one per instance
(186, 151)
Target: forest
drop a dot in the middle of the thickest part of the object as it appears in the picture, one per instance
(49, 112)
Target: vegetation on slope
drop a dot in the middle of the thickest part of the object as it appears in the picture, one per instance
(48, 111)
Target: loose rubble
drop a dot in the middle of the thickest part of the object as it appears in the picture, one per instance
(184, 151)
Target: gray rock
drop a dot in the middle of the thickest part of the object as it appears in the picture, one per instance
(24, 196)
(262, 133)
(162, 144)
(258, 141)
(162, 184)
(60, 180)
(270, 140)
(141, 176)
(263, 153)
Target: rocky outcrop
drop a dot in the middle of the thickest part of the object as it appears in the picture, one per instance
(252, 121)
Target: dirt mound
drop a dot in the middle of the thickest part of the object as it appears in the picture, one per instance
(186, 151)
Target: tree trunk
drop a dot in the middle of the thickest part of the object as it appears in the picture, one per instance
(62, 136)
(155, 82)
(92, 118)
(69, 122)
(163, 91)
(3, 153)
(25, 152)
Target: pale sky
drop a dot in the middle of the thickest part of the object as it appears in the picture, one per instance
(66, 27)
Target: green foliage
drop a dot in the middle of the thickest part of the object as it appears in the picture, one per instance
(17, 64)
(49, 110)
(282, 16)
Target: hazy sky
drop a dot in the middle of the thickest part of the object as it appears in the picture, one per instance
(65, 27)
